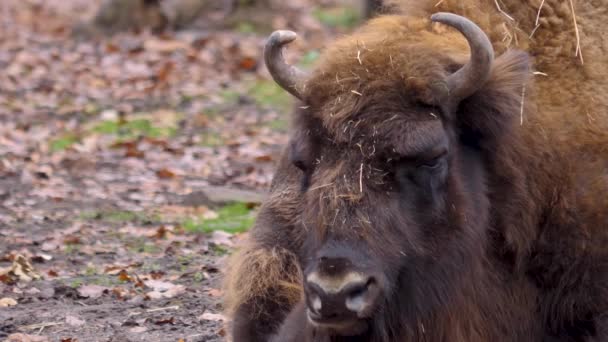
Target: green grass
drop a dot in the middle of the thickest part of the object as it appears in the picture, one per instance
(62, 143)
(229, 96)
(142, 245)
(245, 28)
(133, 128)
(309, 59)
(337, 17)
(232, 218)
(280, 125)
(119, 216)
(211, 139)
(267, 93)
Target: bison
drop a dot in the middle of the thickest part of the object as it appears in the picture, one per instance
(434, 190)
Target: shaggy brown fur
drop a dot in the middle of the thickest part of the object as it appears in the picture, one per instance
(518, 241)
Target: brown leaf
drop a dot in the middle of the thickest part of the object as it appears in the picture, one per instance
(133, 152)
(20, 270)
(161, 232)
(156, 274)
(165, 174)
(264, 158)
(124, 276)
(165, 71)
(71, 240)
(248, 63)
(170, 320)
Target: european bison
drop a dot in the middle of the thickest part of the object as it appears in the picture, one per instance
(431, 191)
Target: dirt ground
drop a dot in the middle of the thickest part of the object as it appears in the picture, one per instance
(131, 166)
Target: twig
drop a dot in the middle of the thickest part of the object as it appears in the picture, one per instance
(439, 3)
(540, 73)
(361, 178)
(503, 12)
(174, 307)
(578, 52)
(39, 325)
(356, 92)
(533, 31)
(538, 14)
(521, 110)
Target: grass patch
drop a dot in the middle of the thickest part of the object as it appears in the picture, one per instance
(229, 96)
(232, 218)
(245, 28)
(62, 143)
(279, 125)
(268, 94)
(309, 59)
(337, 17)
(211, 139)
(131, 129)
(120, 216)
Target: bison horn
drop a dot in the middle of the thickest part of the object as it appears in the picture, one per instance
(473, 75)
(287, 76)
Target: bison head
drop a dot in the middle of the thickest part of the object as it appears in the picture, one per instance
(395, 143)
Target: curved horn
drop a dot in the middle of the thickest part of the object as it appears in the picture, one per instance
(473, 75)
(287, 76)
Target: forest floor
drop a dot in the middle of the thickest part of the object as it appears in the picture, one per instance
(131, 166)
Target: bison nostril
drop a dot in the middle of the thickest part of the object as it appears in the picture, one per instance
(362, 296)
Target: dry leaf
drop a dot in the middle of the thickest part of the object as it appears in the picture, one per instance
(165, 174)
(163, 289)
(26, 338)
(138, 330)
(4, 302)
(92, 291)
(20, 270)
(208, 316)
(73, 321)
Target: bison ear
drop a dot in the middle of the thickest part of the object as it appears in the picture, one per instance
(302, 144)
(495, 109)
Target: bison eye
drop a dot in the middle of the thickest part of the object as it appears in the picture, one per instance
(433, 163)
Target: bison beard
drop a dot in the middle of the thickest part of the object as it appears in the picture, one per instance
(412, 204)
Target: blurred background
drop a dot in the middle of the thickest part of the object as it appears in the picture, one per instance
(137, 139)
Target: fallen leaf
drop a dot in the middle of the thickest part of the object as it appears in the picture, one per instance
(73, 321)
(92, 291)
(215, 292)
(26, 338)
(20, 270)
(165, 174)
(4, 302)
(163, 289)
(170, 320)
(124, 276)
(138, 330)
(209, 316)
(219, 237)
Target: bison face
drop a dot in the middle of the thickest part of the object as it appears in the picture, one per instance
(388, 225)
(394, 205)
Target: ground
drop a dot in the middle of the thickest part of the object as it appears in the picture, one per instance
(131, 166)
